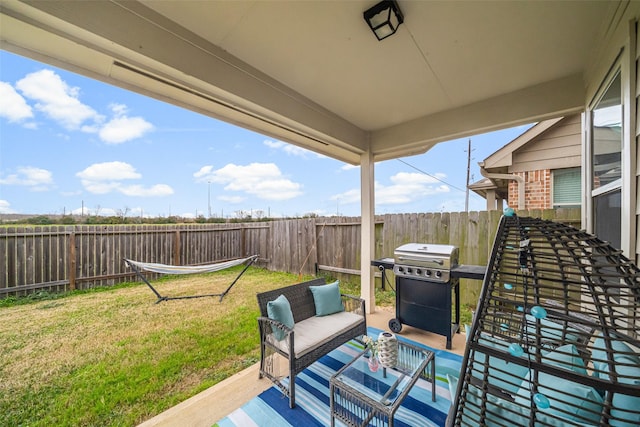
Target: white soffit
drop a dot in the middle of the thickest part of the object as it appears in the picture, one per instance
(311, 72)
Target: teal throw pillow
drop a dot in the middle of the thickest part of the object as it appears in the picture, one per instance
(498, 412)
(627, 365)
(569, 400)
(555, 332)
(327, 298)
(502, 374)
(279, 309)
(621, 351)
(453, 386)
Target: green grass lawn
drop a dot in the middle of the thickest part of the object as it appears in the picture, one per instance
(113, 357)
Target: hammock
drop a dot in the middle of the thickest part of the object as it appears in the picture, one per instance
(138, 267)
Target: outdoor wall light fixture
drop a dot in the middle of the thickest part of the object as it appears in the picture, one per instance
(384, 18)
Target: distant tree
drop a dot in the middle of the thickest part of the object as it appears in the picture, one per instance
(40, 220)
(214, 220)
(122, 213)
(67, 219)
(93, 219)
(110, 220)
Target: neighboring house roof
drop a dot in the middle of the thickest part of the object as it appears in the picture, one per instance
(549, 144)
(481, 187)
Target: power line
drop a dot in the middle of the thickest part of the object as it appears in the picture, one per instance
(432, 176)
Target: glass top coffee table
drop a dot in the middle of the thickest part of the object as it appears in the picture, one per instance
(359, 396)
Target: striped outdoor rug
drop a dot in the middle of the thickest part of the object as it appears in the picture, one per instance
(271, 408)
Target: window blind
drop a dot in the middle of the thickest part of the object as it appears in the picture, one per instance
(567, 188)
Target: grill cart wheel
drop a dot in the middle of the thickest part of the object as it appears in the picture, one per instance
(395, 325)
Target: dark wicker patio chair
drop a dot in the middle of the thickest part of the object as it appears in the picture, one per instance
(554, 341)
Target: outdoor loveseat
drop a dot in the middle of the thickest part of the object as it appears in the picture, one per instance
(302, 323)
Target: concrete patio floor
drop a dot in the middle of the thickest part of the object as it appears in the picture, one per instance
(209, 406)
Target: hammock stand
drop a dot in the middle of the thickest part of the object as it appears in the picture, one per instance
(138, 267)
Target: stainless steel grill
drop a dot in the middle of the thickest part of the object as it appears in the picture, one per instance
(425, 261)
(424, 286)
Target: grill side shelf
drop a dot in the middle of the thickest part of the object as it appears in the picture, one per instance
(463, 271)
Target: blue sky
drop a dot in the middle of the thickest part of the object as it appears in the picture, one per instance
(68, 142)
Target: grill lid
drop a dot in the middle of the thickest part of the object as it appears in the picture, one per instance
(427, 255)
(425, 261)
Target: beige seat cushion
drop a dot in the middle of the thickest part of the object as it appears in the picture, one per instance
(314, 331)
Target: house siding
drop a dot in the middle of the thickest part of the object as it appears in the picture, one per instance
(534, 157)
(635, 67)
(558, 147)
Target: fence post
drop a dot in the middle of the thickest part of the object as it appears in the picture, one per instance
(243, 238)
(72, 261)
(176, 248)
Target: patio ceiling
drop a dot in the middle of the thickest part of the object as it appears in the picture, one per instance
(311, 73)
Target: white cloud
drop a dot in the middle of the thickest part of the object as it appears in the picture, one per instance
(141, 191)
(408, 187)
(36, 179)
(105, 212)
(122, 128)
(13, 106)
(109, 171)
(60, 102)
(290, 149)
(5, 207)
(56, 99)
(83, 210)
(405, 188)
(98, 211)
(103, 178)
(119, 110)
(263, 180)
(100, 187)
(135, 211)
(348, 197)
(204, 174)
(348, 167)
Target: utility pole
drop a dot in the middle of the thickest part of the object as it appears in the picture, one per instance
(466, 199)
(209, 197)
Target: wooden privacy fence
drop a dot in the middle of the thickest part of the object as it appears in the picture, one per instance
(56, 258)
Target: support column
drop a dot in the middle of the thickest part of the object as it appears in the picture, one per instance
(367, 201)
(491, 200)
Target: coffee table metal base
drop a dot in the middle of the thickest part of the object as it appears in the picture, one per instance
(359, 397)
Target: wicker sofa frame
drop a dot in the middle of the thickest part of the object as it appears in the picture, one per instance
(302, 307)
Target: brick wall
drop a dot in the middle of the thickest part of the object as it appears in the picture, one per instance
(537, 190)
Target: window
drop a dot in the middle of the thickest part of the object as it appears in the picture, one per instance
(566, 188)
(606, 162)
(608, 206)
(607, 137)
